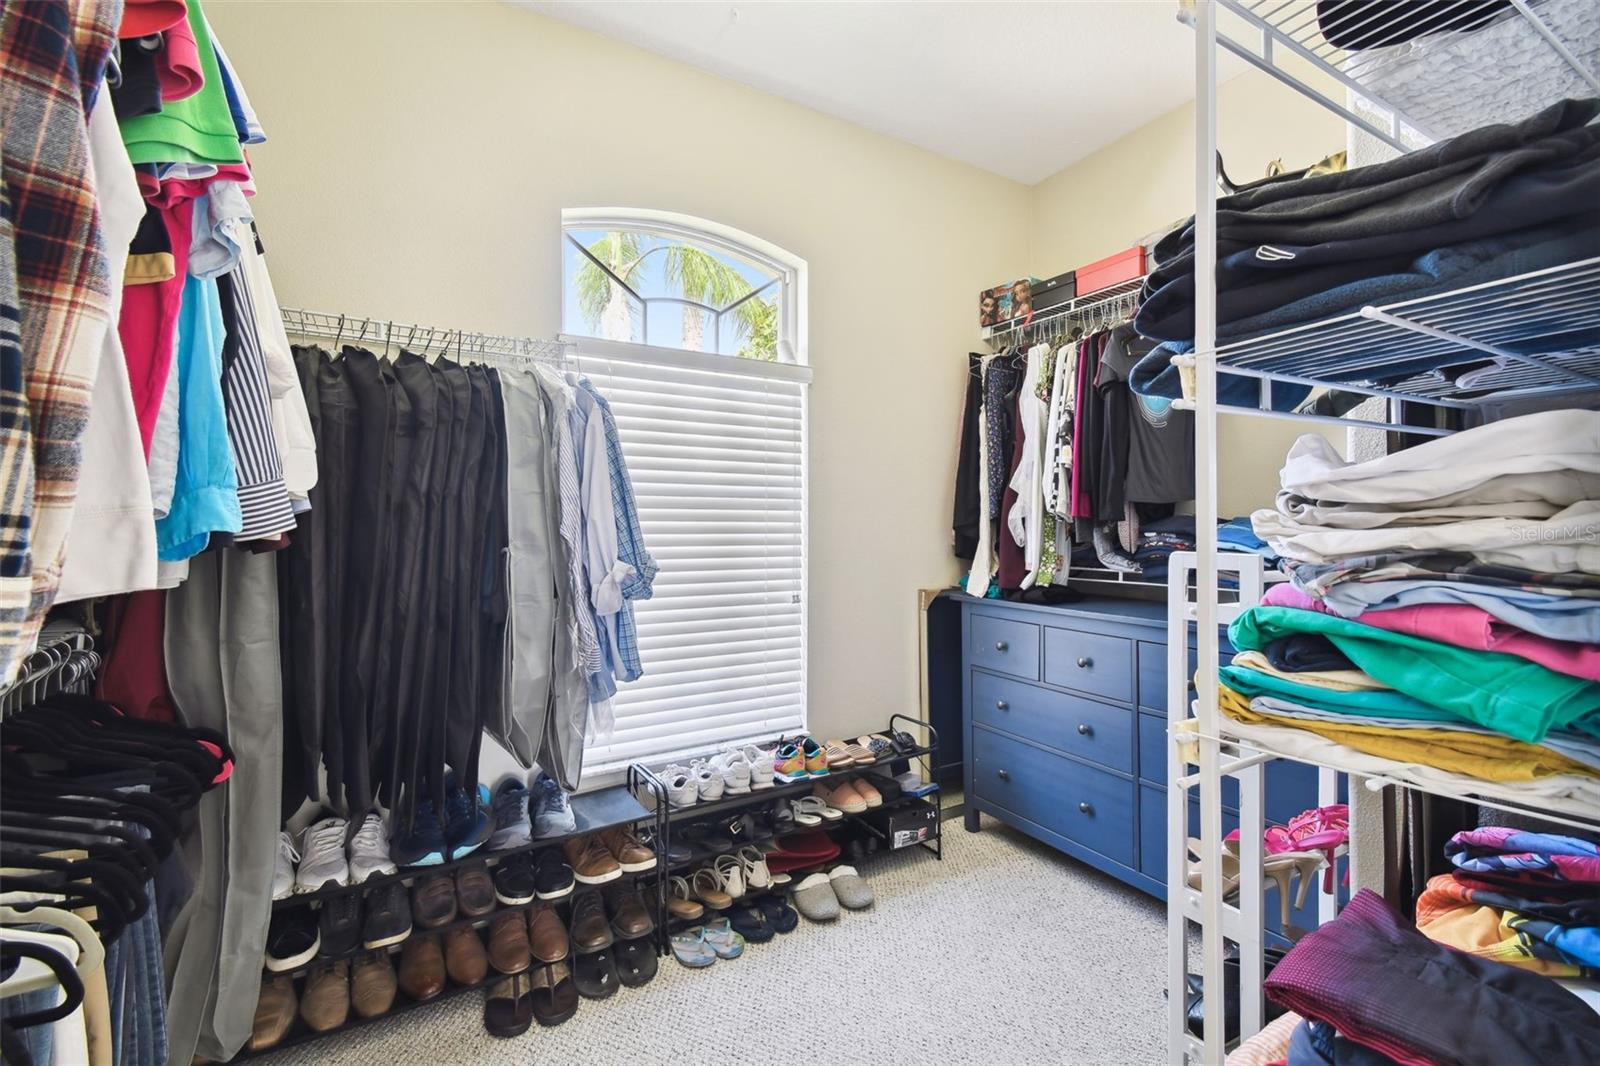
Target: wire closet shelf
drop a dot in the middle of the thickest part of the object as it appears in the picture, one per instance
(1101, 309)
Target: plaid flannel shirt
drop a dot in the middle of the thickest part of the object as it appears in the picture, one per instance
(54, 54)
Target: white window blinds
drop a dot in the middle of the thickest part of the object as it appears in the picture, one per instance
(716, 450)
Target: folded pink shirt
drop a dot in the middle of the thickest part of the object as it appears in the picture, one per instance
(1463, 626)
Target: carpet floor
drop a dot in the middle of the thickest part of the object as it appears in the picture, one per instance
(1005, 952)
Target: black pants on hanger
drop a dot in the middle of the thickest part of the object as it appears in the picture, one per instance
(301, 584)
(339, 427)
(394, 600)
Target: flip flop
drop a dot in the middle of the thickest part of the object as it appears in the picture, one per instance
(690, 948)
(595, 974)
(723, 939)
(508, 1008)
(751, 923)
(555, 997)
(637, 961)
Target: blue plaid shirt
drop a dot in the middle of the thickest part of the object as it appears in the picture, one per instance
(630, 544)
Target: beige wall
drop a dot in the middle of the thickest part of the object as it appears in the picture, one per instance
(421, 154)
(1143, 184)
(419, 159)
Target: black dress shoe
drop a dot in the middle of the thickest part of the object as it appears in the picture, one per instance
(590, 930)
(596, 974)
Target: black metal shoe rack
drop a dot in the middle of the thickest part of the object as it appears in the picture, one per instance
(640, 803)
(926, 757)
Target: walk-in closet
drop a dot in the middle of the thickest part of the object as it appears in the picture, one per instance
(595, 532)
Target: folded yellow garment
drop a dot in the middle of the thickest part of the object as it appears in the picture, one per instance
(1480, 755)
(1482, 931)
(1339, 680)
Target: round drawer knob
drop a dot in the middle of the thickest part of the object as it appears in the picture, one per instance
(1001, 645)
(1085, 808)
(1084, 662)
(1005, 775)
(1084, 730)
(1001, 705)
(1192, 688)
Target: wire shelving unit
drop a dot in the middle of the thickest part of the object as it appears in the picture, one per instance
(1521, 336)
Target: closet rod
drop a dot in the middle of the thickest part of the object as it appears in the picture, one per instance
(362, 329)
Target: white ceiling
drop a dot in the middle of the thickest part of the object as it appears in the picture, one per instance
(1020, 89)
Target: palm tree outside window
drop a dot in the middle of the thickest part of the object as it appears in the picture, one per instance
(653, 286)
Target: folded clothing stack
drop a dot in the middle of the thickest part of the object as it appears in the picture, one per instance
(1444, 611)
(1383, 992)
(1492, 203)
(1529, 900)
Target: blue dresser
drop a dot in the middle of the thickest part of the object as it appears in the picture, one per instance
(1064, 721)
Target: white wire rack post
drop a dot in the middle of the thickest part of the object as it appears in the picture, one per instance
(1511, 338)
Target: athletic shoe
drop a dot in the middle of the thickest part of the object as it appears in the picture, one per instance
(735, 771)
(681, 788)
(292, 939)
(511, 826)
(339, 924)
(369, 850)
(552, 877)
(468, 822)
(706, 780)
(514, 881)
(552, 810)
(322, 861)
(762, 766)
(283, 868)
(816, 757)
(789, 762)
(388, 916)
(423, 843)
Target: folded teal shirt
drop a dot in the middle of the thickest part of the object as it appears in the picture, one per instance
(1502, 692)
(1381, 702)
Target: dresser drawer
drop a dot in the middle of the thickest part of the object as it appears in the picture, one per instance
(1153, 673)
(1004, 645)
(1068, 722)
(1153, 749)
(1153, 830)
(1093, 807)
(1089, 662)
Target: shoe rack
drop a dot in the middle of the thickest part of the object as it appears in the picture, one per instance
(925, 759)
(637, 804)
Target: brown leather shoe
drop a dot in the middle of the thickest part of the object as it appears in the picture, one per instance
(590, 930)
(629, 851)
(508, 943)
(464, 958)
(422, 967)
(326, 1004)
(546, 934)
(591, 860)
(630, 918)
(372, 984)
(433, 901)
(475, 890)
(275, 1011)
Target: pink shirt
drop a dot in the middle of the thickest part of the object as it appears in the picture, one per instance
(178, 65)
(1463, 626)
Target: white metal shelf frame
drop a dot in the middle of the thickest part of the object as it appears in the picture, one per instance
(1200, 754)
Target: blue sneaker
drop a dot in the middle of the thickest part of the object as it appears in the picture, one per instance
(552, 810)
(423, 843)
(467, 821)
(511, 828)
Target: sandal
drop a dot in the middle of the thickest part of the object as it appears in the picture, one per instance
(757, 877)
(839, 757)
(860, 753)
(681, 904)
(731, 871)
(1323, 829)
(721, 938)
(880, 748)
(690, 948)
(707, 886)
(809, 810)
(808, 807)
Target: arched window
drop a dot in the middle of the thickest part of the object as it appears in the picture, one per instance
(671, 281)
(696, 334)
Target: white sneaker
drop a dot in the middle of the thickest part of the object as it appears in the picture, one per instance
(682, 789)
(735, 771)
(322, 860)
(369, 851)
(708, 779)
(283, 869)
(762, 769)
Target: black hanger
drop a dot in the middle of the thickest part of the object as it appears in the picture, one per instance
(66, 976)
